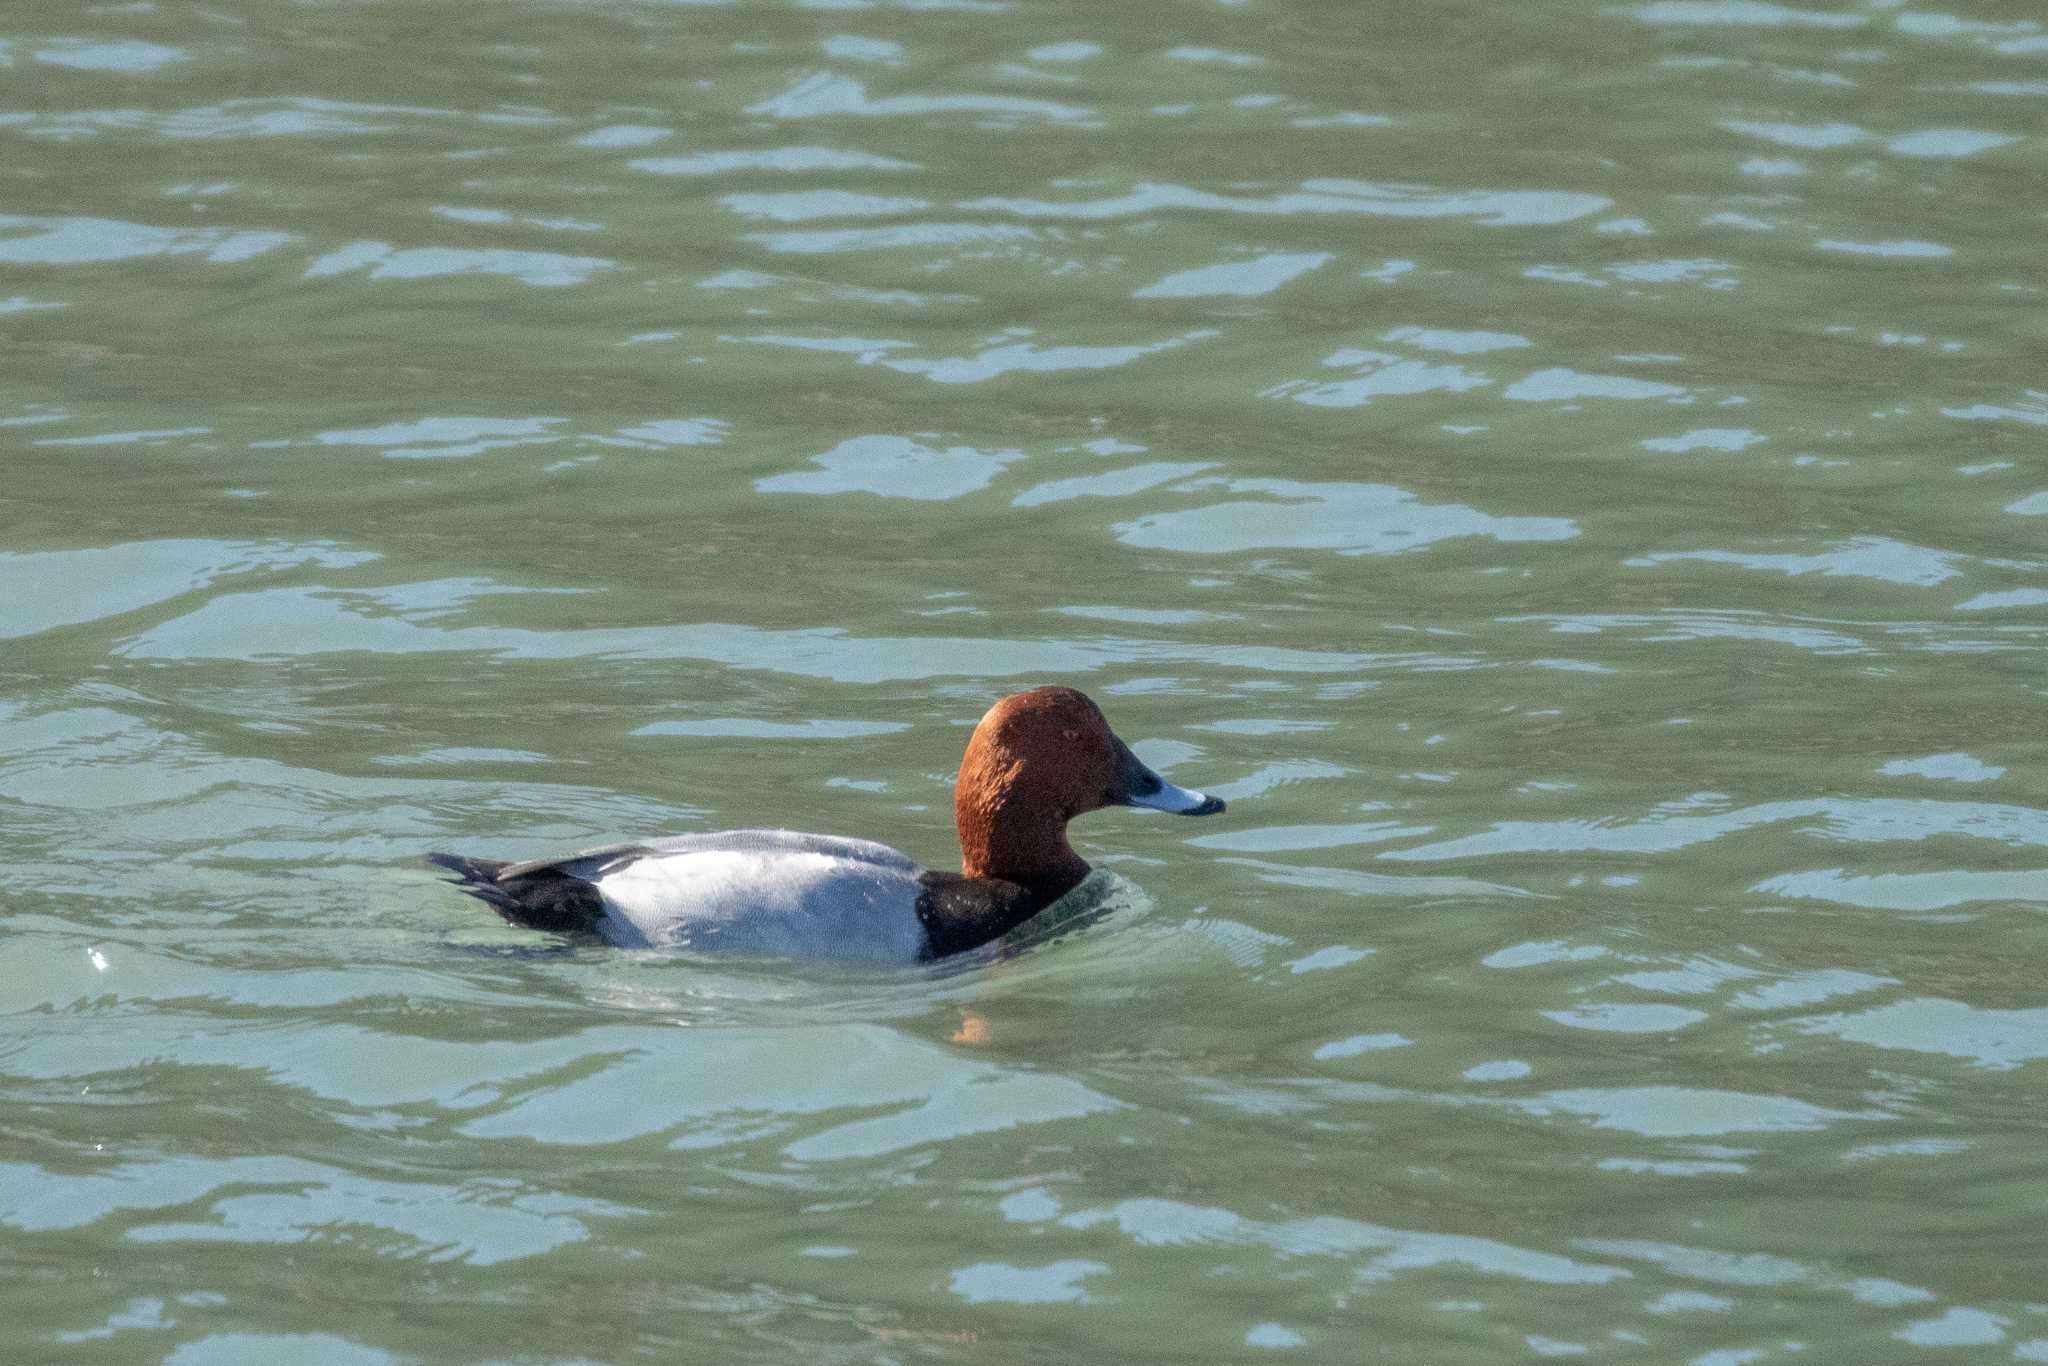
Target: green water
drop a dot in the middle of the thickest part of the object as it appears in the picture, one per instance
(1572, 476)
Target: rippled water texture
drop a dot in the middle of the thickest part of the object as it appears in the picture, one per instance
(1572, 475)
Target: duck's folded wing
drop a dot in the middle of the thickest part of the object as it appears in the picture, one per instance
(587, 864)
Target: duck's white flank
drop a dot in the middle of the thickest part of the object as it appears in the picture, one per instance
(768, 892)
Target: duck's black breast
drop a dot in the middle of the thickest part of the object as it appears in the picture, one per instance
(960, 913)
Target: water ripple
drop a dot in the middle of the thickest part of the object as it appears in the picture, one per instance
(91, 241)
(1489, 208)
(1351, 519)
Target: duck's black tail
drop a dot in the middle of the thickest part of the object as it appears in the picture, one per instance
(545, 900)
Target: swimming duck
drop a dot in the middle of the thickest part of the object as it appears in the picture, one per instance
(1036, 760)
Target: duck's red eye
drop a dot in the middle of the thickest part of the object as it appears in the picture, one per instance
(1071, 735)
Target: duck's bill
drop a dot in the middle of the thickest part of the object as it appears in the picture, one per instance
(1142, 787)
(1179, 800)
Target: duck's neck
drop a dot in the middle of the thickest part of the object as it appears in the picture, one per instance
(1026, 846)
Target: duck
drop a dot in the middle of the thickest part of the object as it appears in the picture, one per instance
(1036, 760)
